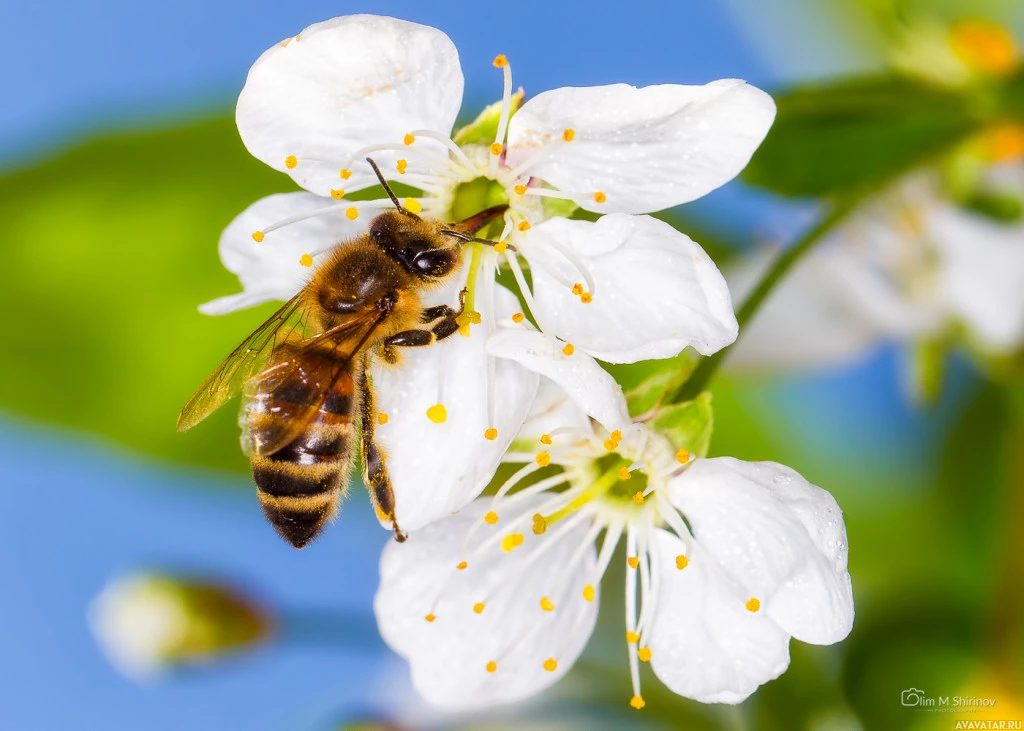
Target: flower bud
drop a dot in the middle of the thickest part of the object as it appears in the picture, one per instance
(148, 623)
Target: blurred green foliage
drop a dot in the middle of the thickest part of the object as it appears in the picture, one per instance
(109, 248)
(864, 132)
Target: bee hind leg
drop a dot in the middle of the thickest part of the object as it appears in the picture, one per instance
(375, 471)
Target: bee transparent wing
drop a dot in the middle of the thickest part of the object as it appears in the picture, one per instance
(281, 400)
(245, 360)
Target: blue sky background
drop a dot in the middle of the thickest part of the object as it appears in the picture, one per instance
(78, 513)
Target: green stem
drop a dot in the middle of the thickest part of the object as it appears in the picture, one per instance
(705, 371)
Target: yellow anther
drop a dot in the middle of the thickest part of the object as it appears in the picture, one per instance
(520, 189)
(352, 213)
(382, 418)
(644, 653)
(638, 497)
(545, 439)
(540, 524)
(285, 42)
(412, 205)
(586, 298)
(257, 236)
(600, 197)
(306, 260)
(682, 562)
(637, 702)
(577, 289)
(492, 666)
(345, 173)
(491, 517)
(546, 604)
(984, 46)
(430, 618)
(495, 148)
(588, 592)
(1006, 142)
(543, 458)
(551, 665)
(290, 162)
(490, 434)
(501, 247)
(479, 607)
(616, 436)
(437, 413)
(337, 194)
(568, 134)
(464, 330)
(632, 637)
(568, 349)
(401, 165)
(633, 562)
(462, 566)
(682, 456)
(518, 317)
(625, 474)
(753, 604)
(511, 542)
(474, 317)
(611, 445)
(500, 61)
(409, 139)
(524, 226)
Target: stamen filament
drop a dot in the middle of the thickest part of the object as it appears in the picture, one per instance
(447, 141)
(506, 112)
(634, 661)
(377, 203)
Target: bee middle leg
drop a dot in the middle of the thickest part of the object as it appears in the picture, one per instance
(445, 324)
(375, 471)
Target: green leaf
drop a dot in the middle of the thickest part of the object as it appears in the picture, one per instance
(687, 425)
(861, 133)
(109, 248)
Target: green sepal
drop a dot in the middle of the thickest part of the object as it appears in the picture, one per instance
(687, 425)
(483, 129)
(558, 207)
(648, 393)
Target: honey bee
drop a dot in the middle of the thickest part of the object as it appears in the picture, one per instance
(304, 373)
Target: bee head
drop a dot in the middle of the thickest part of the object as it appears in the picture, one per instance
(414, 243)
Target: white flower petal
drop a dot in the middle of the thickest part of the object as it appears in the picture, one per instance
(345, 84)
(705, 644)
(777, 536)
(436, 468)
(982, 274)
(579, 375)
(655, 290)
(271, 269)
(552, 409)
(449, 655)
(646, 149)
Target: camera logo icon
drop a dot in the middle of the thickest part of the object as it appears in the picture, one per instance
(912, 697)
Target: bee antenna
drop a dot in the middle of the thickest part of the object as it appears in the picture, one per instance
(387, 189)
(464, 238)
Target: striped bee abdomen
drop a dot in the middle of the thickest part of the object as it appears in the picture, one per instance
(299, 485)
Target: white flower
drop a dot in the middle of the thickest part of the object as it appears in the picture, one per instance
(910, 265)
(623, 288)
(149, 623)
(731, 559)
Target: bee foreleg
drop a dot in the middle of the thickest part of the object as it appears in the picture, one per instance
(375, 471)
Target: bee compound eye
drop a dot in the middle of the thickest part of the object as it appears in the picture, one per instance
(435, 263)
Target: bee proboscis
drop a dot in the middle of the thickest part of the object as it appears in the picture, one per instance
(304, 373)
